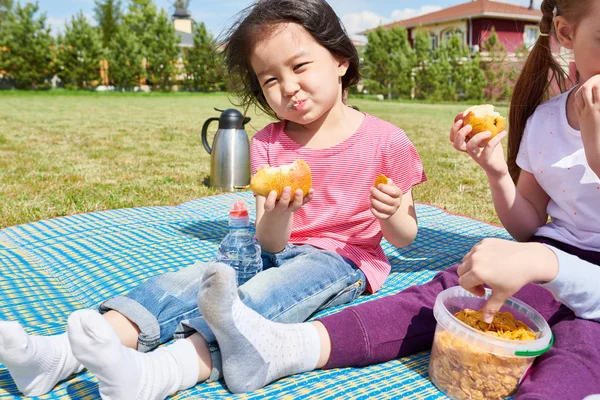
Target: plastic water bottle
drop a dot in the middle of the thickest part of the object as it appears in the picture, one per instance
(239, 248)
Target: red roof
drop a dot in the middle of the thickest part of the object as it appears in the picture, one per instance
(472, 9)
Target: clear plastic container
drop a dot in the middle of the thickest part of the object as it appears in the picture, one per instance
(468, 364)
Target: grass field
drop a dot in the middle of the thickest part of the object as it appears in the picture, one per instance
(63, 153)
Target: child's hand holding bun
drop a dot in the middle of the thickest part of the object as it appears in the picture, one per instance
(478, 132)
(286, 188)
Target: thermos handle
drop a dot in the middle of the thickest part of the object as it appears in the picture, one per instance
(205, 132)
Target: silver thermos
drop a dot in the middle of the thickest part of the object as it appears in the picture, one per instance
(230, 151)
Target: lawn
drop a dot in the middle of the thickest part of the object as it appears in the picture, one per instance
(63, 153)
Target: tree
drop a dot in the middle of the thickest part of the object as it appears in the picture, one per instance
(424, 80)
(5, 8)
(204, 70)
(162, 52)
(28, 48)
(389, 60)
(140, 20)
(496, 68)
(125, 59)
(79, 54)
(108, 15)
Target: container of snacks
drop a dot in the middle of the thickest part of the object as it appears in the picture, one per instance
(471, 359)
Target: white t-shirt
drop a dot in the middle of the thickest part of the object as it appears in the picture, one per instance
(553, 152)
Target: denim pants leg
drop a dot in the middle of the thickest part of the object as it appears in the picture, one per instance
(296, 283)
(293, 285)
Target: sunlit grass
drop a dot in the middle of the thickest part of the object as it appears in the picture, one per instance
(63, 153)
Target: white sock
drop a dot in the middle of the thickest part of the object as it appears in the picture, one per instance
(125, 373)
(36, 363)
(254, 350)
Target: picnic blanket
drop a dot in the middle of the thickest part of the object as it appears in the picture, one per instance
(51, 268)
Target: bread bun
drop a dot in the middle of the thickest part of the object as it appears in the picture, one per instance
(295, 175)
(483, 118)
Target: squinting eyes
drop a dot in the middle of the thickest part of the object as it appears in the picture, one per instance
(296, 68)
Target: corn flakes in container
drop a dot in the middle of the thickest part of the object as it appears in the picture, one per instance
(468, 363)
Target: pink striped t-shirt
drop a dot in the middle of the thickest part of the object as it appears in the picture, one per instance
(338, 217)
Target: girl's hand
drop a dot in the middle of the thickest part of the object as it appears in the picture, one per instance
(385, 200)
(489, 155)
(506, 267)
(587, 109)
(288, 202)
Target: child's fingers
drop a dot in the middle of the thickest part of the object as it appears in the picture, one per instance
(308, 196)
(587, 95)
(471, 283)
(478, 142)
(382, 207)
(458, 117)
(284, 200)
(381, 196)
(493, 305)
(496, 139)
(461, 138)
(297, 199)
(390, 189)
(271, 201)
(455, 128)
(596, 94)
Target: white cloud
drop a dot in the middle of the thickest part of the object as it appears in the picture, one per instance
(407, 13)
(358, 22)
(57, 24)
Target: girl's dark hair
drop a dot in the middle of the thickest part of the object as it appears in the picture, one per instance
(258, 21)
(540, 70)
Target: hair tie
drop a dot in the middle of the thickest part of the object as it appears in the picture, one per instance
(544, 34)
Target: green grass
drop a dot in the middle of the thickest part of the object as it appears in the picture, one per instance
(63, 153)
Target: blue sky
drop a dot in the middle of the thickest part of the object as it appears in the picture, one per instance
(357, 15)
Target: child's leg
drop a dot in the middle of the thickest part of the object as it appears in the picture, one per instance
(256, 351)
(570, 369)
(142, 319)
(387, 328)
(125, 373)
(36, 363)
(300, 281)
(304, 280)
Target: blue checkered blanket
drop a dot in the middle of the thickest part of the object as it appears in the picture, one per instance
(49, 269)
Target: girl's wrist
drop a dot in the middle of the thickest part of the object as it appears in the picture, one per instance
(544, 264)
(495, 177)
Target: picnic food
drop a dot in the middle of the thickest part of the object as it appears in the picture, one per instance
(381, 179)
(483, 118)
(504, 324)
(463, 371)
(295, 175)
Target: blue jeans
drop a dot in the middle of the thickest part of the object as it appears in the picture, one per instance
(294, 284)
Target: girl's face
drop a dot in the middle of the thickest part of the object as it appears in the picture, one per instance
(300, 79)
(584, 40)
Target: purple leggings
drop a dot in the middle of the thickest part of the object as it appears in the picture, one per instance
(403, 324)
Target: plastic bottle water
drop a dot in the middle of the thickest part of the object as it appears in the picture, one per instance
(239, 248)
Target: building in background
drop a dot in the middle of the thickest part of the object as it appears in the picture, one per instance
(516, 26)
(182, 22)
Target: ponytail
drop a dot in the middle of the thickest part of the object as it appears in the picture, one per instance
(532, 87)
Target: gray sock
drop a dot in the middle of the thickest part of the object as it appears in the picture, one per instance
(254, 350)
